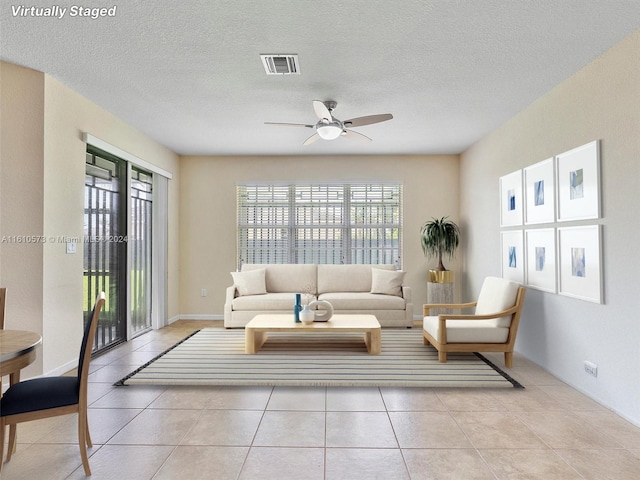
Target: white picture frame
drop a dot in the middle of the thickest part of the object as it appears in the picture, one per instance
(540, 247)
(513, 261)
(511, 199)
(539, 192)
(578, 183)
(580, 262)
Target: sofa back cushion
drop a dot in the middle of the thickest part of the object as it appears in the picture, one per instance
(287, 278)
(346, 278)
(497, 294)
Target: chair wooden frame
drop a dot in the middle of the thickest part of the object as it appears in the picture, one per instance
(84, 438)
(444, 347)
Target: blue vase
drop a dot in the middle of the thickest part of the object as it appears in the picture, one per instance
(297, 307)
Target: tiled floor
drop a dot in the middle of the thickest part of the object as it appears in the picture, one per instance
(547, 431)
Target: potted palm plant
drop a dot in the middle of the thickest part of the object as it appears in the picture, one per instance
(440, 237)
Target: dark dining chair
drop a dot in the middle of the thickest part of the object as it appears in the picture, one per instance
(46, 397)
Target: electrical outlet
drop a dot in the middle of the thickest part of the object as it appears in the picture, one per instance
(591, 369)
(203, 292)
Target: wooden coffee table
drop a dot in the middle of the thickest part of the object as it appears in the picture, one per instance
(257, 329)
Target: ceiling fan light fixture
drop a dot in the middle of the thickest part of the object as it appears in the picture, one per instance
(329, 127)
(329, 131)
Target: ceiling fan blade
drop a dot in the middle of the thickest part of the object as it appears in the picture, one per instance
(321, 110)
(368, 120)
(352, 135)
(311, 139)
(290, 124)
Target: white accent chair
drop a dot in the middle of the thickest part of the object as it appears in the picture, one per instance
(492, 328)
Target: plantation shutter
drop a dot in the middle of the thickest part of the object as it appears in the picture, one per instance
(320, 223)
(263, 224)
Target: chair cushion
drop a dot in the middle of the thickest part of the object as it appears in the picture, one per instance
(497, 294)
(363, 301)
(250, 283)
(468, 331)
(386, 282)
(39, 394)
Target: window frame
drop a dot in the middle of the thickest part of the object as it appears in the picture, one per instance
(331, 223)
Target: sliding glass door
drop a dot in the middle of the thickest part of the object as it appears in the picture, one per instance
(140, 247)
(105, 252)
(118, 247)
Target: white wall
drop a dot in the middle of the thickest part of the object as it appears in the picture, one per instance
(601, 101)
(208, 212)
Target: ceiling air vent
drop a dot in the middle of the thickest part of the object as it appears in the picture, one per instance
(281, 64)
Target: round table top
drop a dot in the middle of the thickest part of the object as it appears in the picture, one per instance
(14, 343)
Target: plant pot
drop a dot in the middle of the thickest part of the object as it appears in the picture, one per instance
(441, 276)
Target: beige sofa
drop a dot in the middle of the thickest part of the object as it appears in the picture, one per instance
(371, 289)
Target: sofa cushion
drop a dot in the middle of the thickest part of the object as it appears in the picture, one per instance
(283, 278)
(250, 283)
(363, 301)
(347, 278)
(386, 282)
(497, 294)
(266, 302)
(468, 331)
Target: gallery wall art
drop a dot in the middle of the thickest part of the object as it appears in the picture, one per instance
(578, 177)
(539, 192)
(511, 199)
(540, 250)
(579, 261)
(552, 255)
(512, 255)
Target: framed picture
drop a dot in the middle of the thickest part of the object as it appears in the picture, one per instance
(511, 199)
(578, 180)
(579, 261)
(512, 255)
(540, 247)
(539, 193)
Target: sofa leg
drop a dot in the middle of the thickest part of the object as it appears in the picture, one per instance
(425, 341)
(508, 359)
(442, 357)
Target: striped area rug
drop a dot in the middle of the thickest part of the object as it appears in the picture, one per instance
(215, 356)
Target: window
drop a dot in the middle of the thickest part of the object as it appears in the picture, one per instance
(329, 223)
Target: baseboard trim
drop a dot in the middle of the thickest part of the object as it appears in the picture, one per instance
(61, 370)
(196, 316)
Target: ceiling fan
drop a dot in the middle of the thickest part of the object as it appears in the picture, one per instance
(329, 127)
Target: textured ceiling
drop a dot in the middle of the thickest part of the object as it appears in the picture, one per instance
(189, 74)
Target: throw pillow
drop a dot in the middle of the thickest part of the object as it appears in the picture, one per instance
(387, 282)
(251, 282)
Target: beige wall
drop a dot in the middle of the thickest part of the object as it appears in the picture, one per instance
(601, 101)
(67, 116)
(208, 211)
(52, 202)
(21, 197)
